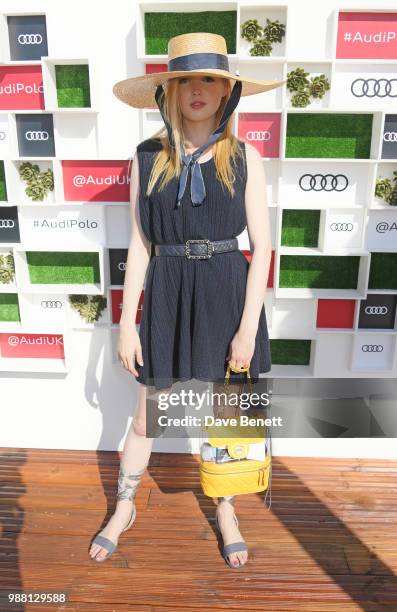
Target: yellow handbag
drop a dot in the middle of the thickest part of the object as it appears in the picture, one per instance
(242, 475)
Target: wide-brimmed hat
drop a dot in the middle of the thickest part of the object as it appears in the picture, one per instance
(200, 53)
(195, 52)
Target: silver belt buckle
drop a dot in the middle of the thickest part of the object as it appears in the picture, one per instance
(210, 249)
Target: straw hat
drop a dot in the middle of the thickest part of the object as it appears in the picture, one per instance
(195, 52)
(200, 53)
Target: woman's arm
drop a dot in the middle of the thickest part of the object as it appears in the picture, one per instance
(138, 255)
(138, 258)
(258, 226)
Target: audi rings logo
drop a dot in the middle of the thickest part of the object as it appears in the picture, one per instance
(376, 310)
(372, 348)
(51, 304)
(122, 266)
(323, 182)
(7, 223)
(390, 136)
(42, 135)
(30, 39)
(259, 135)
(374, 88)
(341, 227)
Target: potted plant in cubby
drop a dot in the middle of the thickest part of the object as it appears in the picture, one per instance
(89, 307)
(305, 89)
(72, 85)
(7, 268)
(262, 38)
(386, 189)
(39, 183)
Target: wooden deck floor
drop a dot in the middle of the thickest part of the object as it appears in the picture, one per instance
(329, 542)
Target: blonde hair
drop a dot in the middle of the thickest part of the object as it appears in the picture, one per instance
(168, 160)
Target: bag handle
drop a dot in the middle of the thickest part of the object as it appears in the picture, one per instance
(227, 380)
(237, 370)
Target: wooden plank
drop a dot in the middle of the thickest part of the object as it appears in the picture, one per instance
(328, 544)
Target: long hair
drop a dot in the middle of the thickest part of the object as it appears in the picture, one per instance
(168, 162)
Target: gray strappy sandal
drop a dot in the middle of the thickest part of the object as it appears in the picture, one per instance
(234, 546)
(126, 490)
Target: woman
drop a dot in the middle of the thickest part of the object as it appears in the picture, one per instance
(203, 303)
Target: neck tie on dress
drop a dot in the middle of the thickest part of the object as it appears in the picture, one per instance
(197, 187)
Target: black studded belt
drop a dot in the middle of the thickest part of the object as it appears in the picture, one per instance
(197, 249)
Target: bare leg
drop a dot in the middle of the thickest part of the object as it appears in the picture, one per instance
(225, 508)
(135, 458)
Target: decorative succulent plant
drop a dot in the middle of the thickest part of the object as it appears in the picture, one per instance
(89, 307)
(38, 183)
(251, 30)
(274, 30)
(386, 189)
(261, 47)
(303, 87)
(262, 37)
(7, 268)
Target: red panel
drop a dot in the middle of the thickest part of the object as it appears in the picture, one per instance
(117, 306)
(270, 279)
(367, 36)
(21, 88)
(96, 180)
(44, 346)
(335, 313)
(152, 69)
(262, 130)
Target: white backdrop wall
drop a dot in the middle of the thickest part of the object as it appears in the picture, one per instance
(91, 407)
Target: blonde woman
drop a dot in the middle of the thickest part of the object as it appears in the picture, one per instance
(194, 188)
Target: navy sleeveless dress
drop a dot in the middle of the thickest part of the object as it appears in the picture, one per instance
(192, 307)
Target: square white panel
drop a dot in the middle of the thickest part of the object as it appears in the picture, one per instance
(321, 184)
(373, 352)
(55, 227)
(343, 228)
(286, 314)
(382, 230)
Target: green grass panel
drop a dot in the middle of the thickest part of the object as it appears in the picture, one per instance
(73, 85)
(319, 271)
(328, 135)
(383, 271)
(9, 307)
(3, 187)
(160, 27)
(290, 352)
(300, 228)
(63, 267)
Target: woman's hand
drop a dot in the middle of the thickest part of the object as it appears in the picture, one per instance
(129, 347)
(241, 349)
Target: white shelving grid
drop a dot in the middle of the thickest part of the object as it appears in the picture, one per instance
(350, 216)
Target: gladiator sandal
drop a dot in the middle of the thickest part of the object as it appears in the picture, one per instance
(234, 547)
(125, 490)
